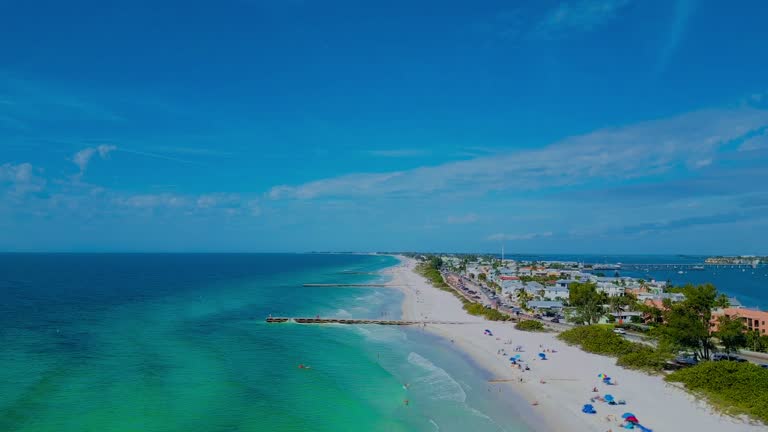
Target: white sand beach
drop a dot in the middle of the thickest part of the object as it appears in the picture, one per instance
(559, 386)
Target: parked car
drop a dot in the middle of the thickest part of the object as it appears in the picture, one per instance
(764, 365)
(727, 357)
(620, 331)
(686, 360)
(556, 320)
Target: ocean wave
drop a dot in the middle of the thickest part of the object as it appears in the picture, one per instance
(373, 298)
(381, 333)
(434, 423)
(440, 384)
(343, 313)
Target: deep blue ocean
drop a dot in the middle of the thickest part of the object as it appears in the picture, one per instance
(178, 342)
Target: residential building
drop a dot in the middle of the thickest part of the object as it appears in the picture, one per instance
(752, 319)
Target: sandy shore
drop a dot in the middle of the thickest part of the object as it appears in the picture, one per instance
(558, 387)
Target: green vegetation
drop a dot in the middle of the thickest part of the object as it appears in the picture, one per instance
(645, 358)
(687, 323)
(430, 269)
(735, 388)
(756, 341)
(530, 326)
(601, 339)
(587, 302)
(731, 334)
(540, 279)
(488, 313)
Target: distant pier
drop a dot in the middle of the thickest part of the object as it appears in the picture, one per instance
(356, 321)
(686, 266)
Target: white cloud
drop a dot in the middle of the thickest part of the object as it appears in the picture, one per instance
(635, 151)
(141, 201)
(578, 16)
(227, 203)
(84, 156)
(398, 153)
(21, 178)
(757, 142)
(464, 219)
(355, 183)
(515, 237)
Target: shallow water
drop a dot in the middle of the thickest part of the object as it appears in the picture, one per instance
(179, 343)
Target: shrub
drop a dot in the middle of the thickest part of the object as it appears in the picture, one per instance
(598, 340)
(602, 340)
(644, 358)
(530, 325)
(735, 388)
(488, 313)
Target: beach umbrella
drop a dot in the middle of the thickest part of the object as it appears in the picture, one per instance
(601, 376)
(608, 398)
(542, 355)
(517, 356)
(627, 415)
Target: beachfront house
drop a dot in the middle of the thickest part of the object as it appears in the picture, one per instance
(753, 319)
(510, 287)
(534, 288)
(611, 289)
(555, 292)
(546, 305)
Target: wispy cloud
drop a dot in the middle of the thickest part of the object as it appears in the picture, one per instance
(227, 203)
(463, 219)
(21, 178)
(582, 15)
(683, 11)
(694, 221)
(516, 237)
(83, 157)
(398, 153)
(686, 142)
(757, 142)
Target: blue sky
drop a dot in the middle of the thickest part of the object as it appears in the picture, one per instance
(592, 126)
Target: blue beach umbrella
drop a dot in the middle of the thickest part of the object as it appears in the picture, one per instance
(627, 415)
(542, 355)
(609, 398)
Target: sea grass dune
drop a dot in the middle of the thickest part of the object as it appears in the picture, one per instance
(557, 388)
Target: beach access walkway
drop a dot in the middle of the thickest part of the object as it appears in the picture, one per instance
(319, 320)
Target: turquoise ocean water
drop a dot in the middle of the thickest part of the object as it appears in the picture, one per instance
(170, 342)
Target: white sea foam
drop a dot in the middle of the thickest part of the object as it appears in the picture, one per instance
(373, 298)
(381, 333)
(343, 313)
(434, 423)
(440, 385)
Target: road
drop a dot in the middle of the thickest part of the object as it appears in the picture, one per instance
(462, 285)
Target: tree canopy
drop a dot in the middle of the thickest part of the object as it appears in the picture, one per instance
(731, 333)
(688, 323)
(587, 302)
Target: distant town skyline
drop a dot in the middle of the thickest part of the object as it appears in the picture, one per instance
(589, 126)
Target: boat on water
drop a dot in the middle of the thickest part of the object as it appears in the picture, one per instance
(697, 267)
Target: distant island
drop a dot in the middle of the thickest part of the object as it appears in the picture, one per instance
(737, 260)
